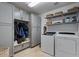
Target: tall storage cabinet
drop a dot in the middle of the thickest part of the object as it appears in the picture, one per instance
(5, 25)
(35, 29)
(6, 36)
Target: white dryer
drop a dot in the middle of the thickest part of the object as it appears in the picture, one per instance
(66, 45)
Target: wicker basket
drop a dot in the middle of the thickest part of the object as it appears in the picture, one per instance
(59, 13)
(74, 9)
(49, 15)
(48, 23)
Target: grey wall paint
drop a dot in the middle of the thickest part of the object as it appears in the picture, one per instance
(63, 28)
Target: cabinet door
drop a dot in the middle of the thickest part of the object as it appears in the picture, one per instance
(25, 16)
(38, 21)
(16, 12)
(34, 19)
(5, 35)
(34, 39)
(38, 34)
(21, 14)
(5, 13)
(65, 46)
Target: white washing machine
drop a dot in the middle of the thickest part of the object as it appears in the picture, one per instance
(47, 44)
(66, 45)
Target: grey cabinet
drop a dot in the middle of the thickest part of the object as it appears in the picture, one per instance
(36, 29)
(20, 14)
(6, 35)
(16, 12)
(39, 34)
(34, 19)
(6, 24)
(5, 13)
(34, 36)
(24, 15)
(6, 30)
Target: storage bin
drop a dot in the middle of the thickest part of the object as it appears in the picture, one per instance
(74, 9)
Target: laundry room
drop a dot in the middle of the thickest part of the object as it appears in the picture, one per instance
(39, 29)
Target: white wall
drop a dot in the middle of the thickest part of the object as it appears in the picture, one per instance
(64, 9)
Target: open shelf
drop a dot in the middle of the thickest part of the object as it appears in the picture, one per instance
(69, 13)
(63, 23)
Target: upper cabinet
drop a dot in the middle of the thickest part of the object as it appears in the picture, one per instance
(36, 20)
(24, 15)
(20, 14)
(5, 13)
(16, 12)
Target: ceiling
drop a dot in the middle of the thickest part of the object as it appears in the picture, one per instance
(42, 7)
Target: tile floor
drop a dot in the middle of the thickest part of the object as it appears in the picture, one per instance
(32, 52)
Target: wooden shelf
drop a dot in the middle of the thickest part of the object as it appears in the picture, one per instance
(69, 13)
(54, 16)
(63, 23)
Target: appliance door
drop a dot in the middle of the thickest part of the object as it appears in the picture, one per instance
(47, 44)
(65, 46)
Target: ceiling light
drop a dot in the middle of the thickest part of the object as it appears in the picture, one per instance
(32, 4)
